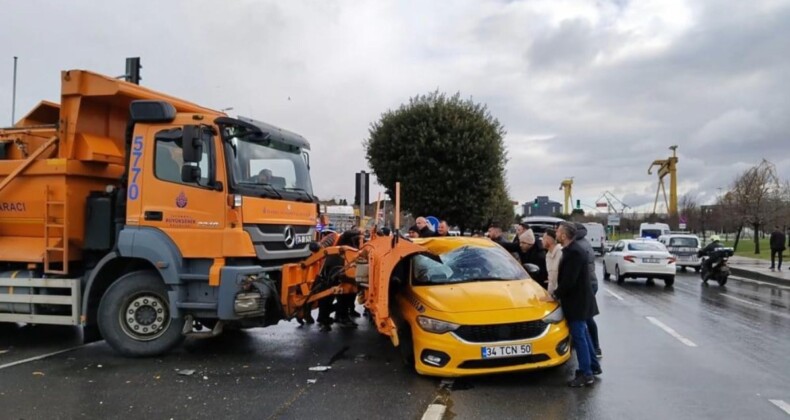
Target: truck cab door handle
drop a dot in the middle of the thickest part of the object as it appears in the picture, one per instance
(154, 216)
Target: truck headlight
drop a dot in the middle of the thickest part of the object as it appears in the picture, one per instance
(435, 326)
(555, 317)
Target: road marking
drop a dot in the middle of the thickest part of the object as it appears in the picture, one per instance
(43, 356)
(782, 405)
(434, 412)
(748, 302)
(618, 297)
(670, 331)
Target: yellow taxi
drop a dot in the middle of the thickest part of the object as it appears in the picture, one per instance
(470, 308)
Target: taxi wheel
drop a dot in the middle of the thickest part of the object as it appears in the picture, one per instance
(406, 346)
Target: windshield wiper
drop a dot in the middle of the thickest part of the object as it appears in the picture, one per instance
(268, 187)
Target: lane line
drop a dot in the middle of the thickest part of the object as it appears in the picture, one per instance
(670, 331)
(618, 297)
(434, 412)
(782, 405)
(43, 356)
(748, 302)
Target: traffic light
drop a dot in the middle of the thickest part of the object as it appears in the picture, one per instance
(362, 184)
(133, 70)
(578, 204)
(535, 203)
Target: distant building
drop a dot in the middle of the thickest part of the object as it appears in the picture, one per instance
(541, 206)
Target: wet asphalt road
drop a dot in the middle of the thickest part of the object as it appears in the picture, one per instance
(727, 356)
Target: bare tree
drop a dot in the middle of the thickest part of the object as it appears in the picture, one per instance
(690, 211)
(753, 198)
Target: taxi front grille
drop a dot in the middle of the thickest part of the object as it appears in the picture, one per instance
(503, 362)
(501, 332)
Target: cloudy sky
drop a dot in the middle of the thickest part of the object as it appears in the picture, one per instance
(590, 89)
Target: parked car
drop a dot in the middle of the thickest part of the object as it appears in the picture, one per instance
(539, 224)
(467, 307)
(636, 258)
(684, 247)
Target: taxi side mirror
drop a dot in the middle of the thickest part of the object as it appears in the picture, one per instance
(531, 268)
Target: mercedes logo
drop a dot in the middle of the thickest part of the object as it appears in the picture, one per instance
(289, 237)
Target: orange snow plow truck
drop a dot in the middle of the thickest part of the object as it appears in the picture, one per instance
(144, 218)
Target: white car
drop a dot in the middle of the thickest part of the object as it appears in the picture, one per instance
(639, 258)
(684, 247)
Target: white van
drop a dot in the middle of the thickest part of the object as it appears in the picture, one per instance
(596, 235)
(653, 230)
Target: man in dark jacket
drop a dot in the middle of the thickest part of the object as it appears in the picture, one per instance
(578, 303)
(581, 239)
(532, 252)
(777, 247)
(424, 229)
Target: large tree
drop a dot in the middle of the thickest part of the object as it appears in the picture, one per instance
(449, 156)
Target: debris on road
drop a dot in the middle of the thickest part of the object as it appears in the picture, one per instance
(311, 381)
(4, 351)
(320, 368)
(38, 373)
(186, 372)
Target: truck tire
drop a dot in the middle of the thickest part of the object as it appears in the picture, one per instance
(134, 316)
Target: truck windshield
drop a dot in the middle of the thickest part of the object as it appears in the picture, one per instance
(270, 165)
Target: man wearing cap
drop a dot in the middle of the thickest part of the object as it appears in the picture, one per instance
(531, 252)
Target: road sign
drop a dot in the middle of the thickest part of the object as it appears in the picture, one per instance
(682, 226)
(434, 222)
(682, 220)
(603, 205)
(613, 220)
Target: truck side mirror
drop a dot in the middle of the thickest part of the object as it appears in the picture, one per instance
(190, 173)
(191, 143)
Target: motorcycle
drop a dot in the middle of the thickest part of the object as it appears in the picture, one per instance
(714, 265)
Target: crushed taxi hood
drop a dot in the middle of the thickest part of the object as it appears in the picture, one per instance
(478, 296)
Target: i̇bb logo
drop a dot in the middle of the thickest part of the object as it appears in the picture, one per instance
(181, 200)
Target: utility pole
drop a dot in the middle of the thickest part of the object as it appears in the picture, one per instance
(13, 97)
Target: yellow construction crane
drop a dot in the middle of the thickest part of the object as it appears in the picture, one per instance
(567, 185)
(667, 167)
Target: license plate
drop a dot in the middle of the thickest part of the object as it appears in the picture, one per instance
(303, 239)
(650, 260)
(506, 351)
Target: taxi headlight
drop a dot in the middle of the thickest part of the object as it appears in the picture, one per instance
(435, 326)
(555, 317)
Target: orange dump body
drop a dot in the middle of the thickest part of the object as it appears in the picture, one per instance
(54, 156)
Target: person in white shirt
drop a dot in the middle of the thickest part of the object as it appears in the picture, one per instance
(553, 255)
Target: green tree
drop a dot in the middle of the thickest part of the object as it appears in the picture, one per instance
(449, 156)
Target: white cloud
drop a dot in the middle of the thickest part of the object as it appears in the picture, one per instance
(590, 89)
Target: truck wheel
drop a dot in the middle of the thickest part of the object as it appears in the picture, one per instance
(134, 316)
(669, 281)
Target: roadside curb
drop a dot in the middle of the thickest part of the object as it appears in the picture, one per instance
(753, 275)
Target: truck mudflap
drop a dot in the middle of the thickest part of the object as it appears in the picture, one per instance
(371, 266)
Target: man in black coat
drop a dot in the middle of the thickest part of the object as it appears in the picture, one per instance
(777, 247)
(578, 303)
(424, 229)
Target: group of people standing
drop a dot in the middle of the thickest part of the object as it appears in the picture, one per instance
(422, 229)
(566, 268)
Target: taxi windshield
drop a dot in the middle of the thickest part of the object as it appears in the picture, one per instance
(466, 264)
